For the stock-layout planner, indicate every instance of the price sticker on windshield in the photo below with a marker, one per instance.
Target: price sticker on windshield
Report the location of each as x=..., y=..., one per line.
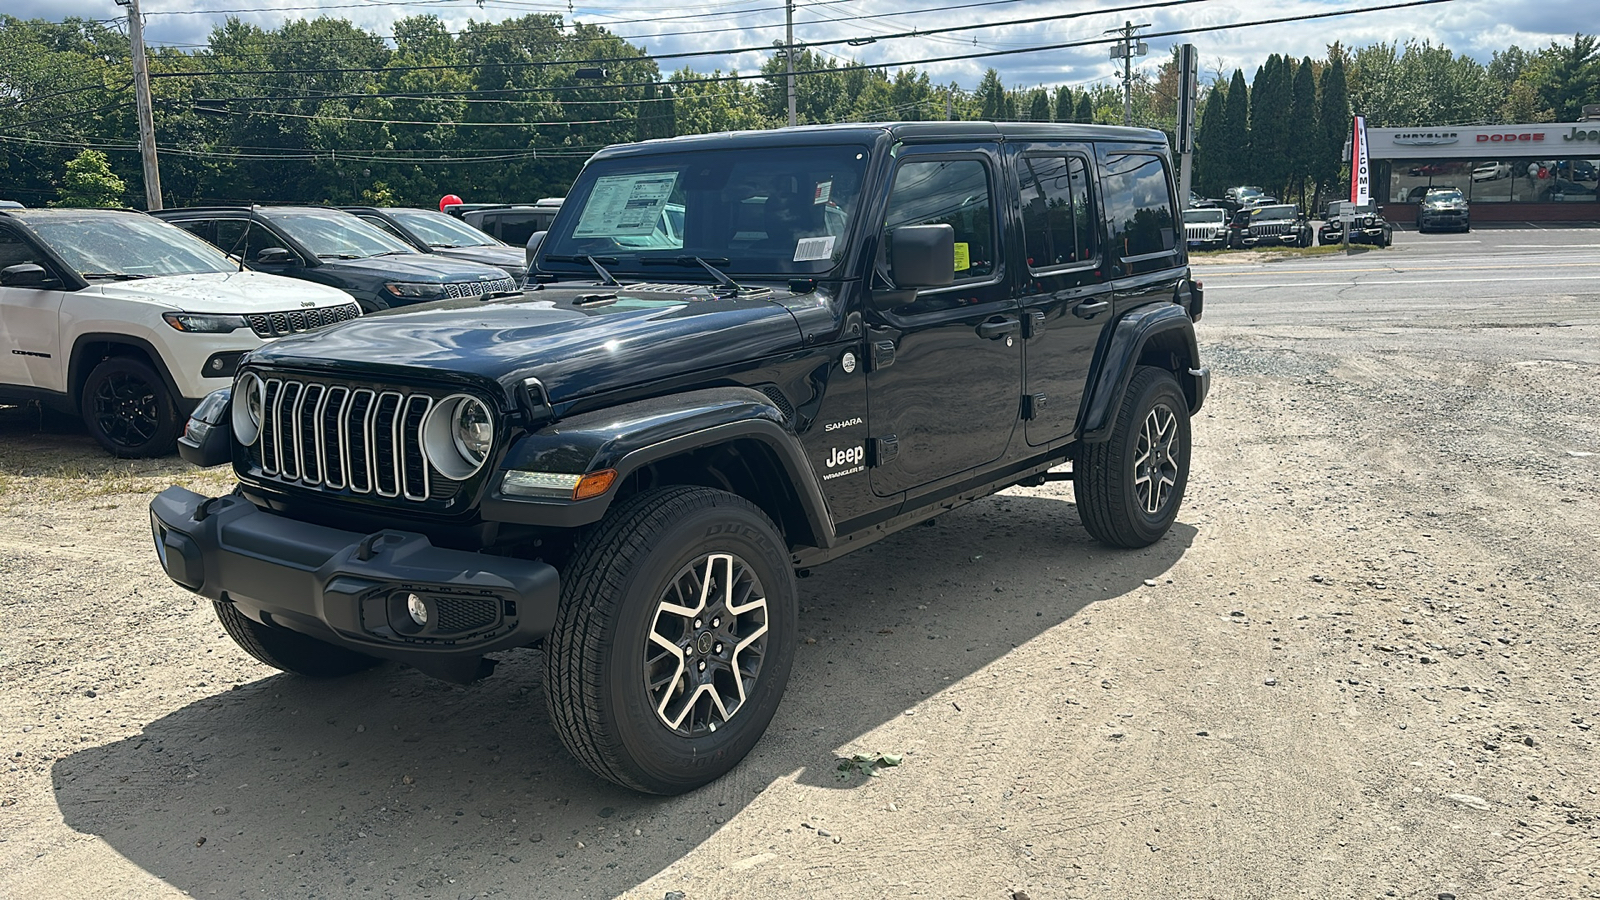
x=963, y=257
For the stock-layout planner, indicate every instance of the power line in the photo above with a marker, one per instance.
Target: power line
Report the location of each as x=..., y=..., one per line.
x=727, y=51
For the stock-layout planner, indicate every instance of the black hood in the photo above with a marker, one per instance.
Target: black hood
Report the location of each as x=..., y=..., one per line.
x=512, y=259
x=424, y=268
x=574, y=338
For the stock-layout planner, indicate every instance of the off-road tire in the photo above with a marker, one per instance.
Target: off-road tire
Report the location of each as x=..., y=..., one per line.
x=288, y=650
x=1106, y=474
x=128, y=409
x=614, y=601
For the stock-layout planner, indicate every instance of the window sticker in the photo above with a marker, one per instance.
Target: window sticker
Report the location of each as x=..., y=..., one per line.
x=623, y=205
x=813, y=248
x=963, y=257
x=824, y=192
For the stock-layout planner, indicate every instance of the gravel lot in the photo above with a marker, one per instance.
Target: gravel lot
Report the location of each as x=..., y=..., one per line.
x=1363, y=664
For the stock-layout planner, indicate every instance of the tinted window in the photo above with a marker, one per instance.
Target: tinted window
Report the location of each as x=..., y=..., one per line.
x=1139, y=204
x=13, y=252
x=243, y=239
x=1057, y=215
x=952, y=192
x=1273, y=212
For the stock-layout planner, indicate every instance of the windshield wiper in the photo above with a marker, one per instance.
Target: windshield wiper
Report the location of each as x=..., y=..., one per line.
x=115, y=276
x=710, y=265
x=339, y=256
x=606, y=278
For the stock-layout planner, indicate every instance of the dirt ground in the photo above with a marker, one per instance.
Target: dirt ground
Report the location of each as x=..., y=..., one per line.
x=1363, y=664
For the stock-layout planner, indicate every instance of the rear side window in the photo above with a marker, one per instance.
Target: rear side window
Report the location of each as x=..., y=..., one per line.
x=952, y=192
x=1057, y=213
x=1138, y=201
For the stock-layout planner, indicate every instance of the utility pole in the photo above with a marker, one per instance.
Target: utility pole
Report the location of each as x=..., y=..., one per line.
x=147, y=123
x=1125, y=50
x=1188, y=103
x=788, y=55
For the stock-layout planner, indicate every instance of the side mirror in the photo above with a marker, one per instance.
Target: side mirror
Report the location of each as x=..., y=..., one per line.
x=535, y=241
x=276, y=256
x=24, y=275
x=922, y=256
x=207, y=438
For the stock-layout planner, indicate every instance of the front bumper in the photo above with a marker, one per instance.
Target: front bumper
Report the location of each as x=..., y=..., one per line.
x=350, y=589
x=1291, y=239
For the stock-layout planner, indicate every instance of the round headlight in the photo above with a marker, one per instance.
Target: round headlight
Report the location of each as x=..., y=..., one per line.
x=458, y=435
x=249, y=395
x=473, y=431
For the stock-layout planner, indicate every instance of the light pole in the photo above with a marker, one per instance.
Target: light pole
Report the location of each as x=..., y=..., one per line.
x=141, y=93
x=1125, y=50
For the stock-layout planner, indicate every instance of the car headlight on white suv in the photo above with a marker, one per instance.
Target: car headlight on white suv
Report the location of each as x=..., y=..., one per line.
x=205, y=323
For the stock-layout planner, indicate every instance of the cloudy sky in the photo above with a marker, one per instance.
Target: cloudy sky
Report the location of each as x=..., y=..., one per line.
x=1475, y=28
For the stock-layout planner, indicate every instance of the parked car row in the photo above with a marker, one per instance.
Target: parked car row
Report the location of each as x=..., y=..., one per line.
x=129, y=319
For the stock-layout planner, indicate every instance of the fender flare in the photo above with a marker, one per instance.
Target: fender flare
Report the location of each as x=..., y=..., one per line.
x=78, y=367
x=1129, y=337
x=633, y=435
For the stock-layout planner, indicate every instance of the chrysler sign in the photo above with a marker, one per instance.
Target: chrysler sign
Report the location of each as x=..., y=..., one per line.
x=1425, y=138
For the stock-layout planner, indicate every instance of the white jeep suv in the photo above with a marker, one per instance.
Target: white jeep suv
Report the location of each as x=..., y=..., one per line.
x=130, y=322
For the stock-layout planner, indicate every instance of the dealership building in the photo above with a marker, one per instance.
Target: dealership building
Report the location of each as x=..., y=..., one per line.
x=1510, y=173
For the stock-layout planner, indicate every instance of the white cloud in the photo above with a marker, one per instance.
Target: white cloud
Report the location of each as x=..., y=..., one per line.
x=1475, y=28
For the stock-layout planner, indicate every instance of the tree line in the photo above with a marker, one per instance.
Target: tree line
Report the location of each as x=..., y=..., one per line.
x=320, y=110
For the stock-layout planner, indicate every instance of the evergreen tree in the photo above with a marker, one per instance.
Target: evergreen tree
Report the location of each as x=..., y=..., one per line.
x=1211, y=150
x=1333, y=125
x=1039, y=106
x=1085, y=113
x=1269, y=123
x=991, y=97
x=1236, y=131
x=1302, y=146
x=1065, y=112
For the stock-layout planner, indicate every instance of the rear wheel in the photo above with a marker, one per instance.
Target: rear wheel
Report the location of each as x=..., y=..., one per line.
x=288, y=650
x=1129, y=488
x=128, y=409
x=674, y=639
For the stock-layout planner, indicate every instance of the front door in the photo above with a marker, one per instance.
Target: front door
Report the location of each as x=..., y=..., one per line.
x=945, y=369
x=30, y=322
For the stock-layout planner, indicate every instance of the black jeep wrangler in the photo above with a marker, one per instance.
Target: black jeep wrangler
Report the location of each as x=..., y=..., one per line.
x=739, y=356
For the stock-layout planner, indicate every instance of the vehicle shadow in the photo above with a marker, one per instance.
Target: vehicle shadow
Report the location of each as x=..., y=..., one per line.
x=390, y=784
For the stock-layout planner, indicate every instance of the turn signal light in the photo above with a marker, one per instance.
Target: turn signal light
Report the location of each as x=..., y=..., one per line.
x=594, y=484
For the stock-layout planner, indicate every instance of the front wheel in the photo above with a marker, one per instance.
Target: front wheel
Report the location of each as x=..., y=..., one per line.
x=129, y=410
x=1129, y=487
x=674, y=639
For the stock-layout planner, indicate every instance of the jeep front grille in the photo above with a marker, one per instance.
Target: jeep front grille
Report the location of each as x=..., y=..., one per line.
x=479, y=288
x=1268, y=230
x=278, y=324
x=342, y=438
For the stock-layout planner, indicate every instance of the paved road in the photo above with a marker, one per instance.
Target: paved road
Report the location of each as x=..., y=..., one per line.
x=1484, y=278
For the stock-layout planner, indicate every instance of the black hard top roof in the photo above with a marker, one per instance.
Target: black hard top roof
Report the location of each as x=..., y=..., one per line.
x=868, y=133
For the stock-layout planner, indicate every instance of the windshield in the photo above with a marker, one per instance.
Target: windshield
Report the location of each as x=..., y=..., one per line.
x=439, y=230
x=130, y=245
x=1272, y=212
x=1443, y=196
x=1202, y=216
x=330, y=234
x=775, y=211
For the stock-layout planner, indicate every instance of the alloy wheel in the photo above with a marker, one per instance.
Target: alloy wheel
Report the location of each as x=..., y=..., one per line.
x=126, y=410
x=1155, y=463
x=706, y=644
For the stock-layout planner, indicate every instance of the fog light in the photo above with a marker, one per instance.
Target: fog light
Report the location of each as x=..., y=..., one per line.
x=417, y=609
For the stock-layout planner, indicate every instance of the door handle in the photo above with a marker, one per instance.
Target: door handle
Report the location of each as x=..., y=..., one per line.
x=996, y=329
x=1090, y=310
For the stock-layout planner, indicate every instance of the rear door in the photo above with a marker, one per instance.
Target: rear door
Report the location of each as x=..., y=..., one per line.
x=1066, y=296
x=945, y=369
x=30, y=321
